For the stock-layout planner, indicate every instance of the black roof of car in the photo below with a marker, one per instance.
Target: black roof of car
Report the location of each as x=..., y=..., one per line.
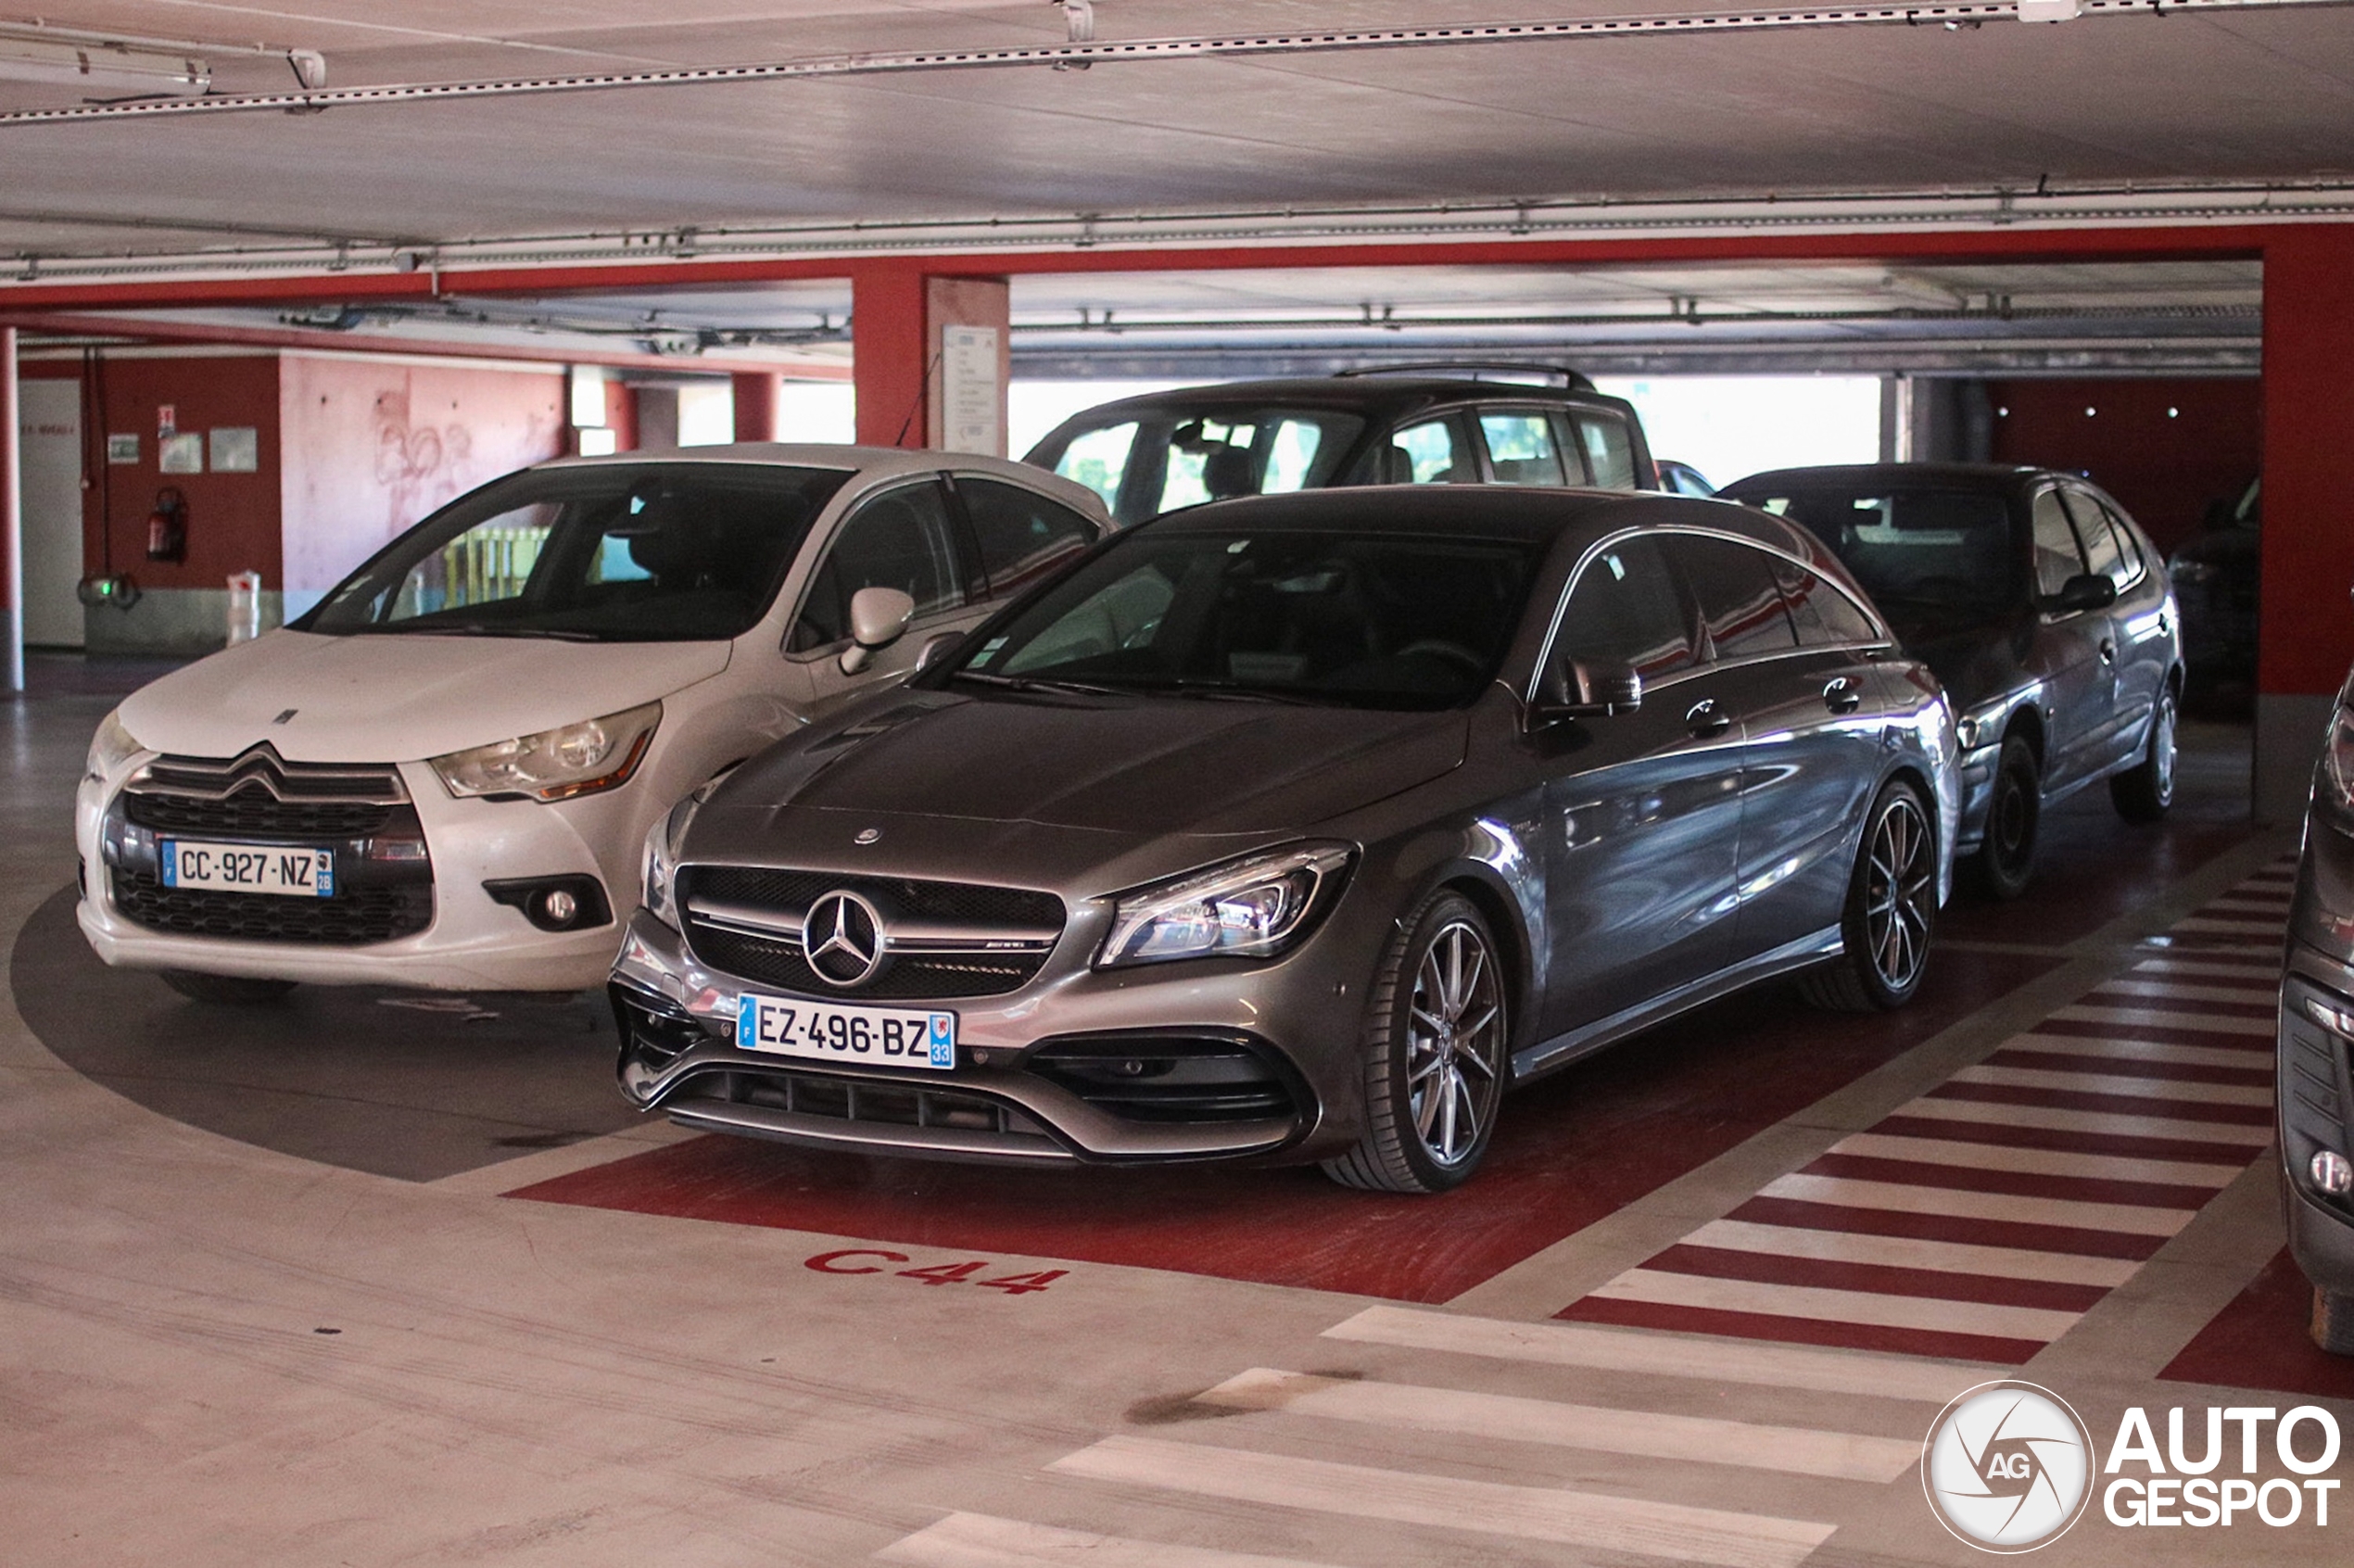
x=2003, y=477
x=1375, y=394
x=1537, y=513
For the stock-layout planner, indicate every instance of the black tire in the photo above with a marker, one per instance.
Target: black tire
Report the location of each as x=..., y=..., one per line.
x=2005, y=859
x=234, y=991
x=2144, y=790
x=2333, y=1324
x=1425, y=1077
x=1891, y=909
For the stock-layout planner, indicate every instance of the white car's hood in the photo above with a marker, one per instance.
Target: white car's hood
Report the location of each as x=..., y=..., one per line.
x=401, y=698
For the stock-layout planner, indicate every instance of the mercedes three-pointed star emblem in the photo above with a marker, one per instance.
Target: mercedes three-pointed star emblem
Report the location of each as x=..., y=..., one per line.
x=841, y=939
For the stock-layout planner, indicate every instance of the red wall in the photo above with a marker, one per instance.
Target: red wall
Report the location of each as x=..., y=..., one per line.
x=232, y=518
x=2165, y=468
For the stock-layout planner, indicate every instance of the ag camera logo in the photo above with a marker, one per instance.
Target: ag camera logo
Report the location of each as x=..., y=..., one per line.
x=2007, y=1467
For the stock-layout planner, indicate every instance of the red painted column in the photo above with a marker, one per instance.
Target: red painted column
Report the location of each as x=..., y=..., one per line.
x=890, y=363
x=11, y=522
x=2308, y=628
x=756, y=401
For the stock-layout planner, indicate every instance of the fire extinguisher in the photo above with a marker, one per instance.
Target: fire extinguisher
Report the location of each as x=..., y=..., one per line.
x=168, y=526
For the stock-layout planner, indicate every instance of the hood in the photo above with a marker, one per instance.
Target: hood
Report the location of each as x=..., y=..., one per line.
x=1140, y=766
x=401, y=697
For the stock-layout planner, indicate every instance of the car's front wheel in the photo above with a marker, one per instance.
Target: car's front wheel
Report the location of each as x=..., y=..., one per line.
x=2007, y=859
x=1436, y=1054
x=234, y=991
x=2144, y=790
x=1891, y=906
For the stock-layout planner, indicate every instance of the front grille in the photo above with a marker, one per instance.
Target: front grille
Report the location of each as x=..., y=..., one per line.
x=943, y=900
x=936, y=972
x=259, y=792
x=908, y=979
x=355, y=917
x=252, y=809
x=1172, y=1079
x=889, y=1105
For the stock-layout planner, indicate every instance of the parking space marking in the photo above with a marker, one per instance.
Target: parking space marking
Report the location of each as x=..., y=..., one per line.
x=980, y=1540
x=1597, y=1521
x=2152, y=1018
x=1646, y=1434
x=2007, y=1201
x=2239, y=1055
x=2066, y=1119
x=1655, y=1355
x=2047, y=1162
x=2134, y=1219
x=1912, y=1252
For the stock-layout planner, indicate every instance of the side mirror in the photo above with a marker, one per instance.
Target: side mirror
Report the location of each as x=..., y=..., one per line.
x=936, y=648
x=1575, y=689
x=2087, y=591
x=878, y=616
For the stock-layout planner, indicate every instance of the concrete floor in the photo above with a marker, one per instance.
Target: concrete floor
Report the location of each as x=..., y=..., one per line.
x=265, y=1299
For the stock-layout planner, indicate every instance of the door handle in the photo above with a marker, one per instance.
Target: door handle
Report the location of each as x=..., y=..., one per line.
x=1705, y=718
x=1841, y=696
x=2109, y=650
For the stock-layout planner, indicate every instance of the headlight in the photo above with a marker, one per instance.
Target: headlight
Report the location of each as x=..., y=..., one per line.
x=1248, y=908
x=111, y=748
x=2338, y=757
x=659, y=868
x=555, y=765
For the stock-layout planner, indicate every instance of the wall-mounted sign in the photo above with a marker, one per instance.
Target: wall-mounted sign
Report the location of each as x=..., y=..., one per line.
x=970, y=390
x=237, y=448
x=167, y=420
x=122, y=449
x=181, y=454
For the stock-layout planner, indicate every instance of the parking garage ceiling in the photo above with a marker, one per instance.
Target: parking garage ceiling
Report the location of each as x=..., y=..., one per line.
x=2204, y=109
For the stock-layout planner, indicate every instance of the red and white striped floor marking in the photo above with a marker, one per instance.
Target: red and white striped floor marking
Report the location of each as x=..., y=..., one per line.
x=1983, y=1219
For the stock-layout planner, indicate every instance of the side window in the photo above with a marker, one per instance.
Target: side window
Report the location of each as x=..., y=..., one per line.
x=2056, y=558
x=1626, y=610
x=1520, y=447
x=1825, y=617
x=1428, y=453
x=1610, y=450
x=1739, y=602
x=2101, y=553
x=898, y=539
x=1098, y=458
x=1021, y=534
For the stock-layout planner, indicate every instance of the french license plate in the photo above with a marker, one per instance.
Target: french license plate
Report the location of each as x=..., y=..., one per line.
x=262, y=868
x=869, y=1036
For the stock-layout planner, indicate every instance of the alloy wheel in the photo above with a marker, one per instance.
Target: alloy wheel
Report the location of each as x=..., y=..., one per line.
x=2162, y=752
x=1454, y=1042
x=1899, y=893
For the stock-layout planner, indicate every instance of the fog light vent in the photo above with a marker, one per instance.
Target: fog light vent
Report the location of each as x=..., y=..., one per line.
x=2332, y=1173
x=555, y=904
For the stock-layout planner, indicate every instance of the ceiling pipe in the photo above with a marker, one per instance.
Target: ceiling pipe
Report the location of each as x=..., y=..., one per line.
x=1078, y=53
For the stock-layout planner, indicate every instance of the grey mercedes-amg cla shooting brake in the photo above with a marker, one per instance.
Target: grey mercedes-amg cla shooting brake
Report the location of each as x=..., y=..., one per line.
x=1299, y=829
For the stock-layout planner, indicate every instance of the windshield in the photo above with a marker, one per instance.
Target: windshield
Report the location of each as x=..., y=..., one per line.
x=1932, y=559
x=1147, y=462
x=1323, y=617
x=658, y=553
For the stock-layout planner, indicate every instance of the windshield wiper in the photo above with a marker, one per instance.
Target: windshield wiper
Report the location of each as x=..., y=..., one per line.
x=561, y=634
x=1033, y=683
x=1220, y=691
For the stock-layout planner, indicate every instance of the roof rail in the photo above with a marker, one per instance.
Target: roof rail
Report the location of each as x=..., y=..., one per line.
x=1480, y=370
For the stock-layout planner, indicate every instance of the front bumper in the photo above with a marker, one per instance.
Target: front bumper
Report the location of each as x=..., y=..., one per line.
x=2314, y=1094
x=472, y=942
x=1038, y=1078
